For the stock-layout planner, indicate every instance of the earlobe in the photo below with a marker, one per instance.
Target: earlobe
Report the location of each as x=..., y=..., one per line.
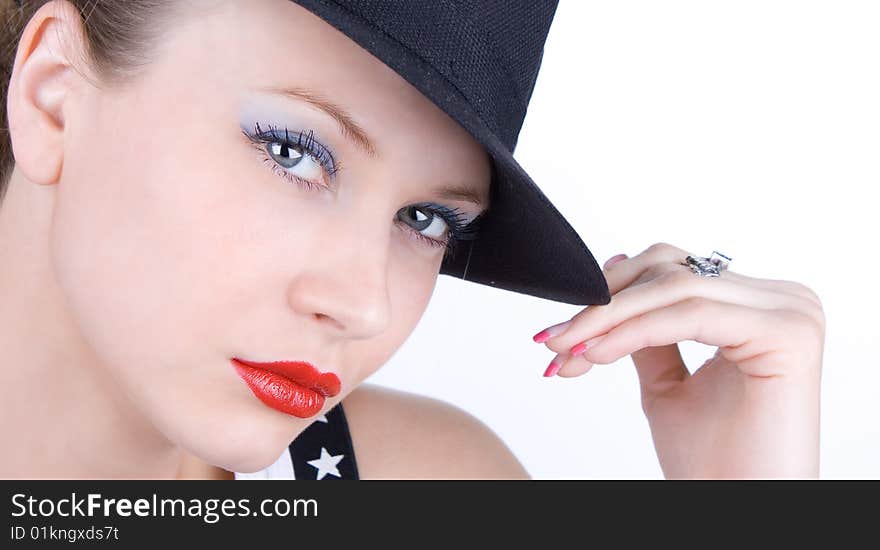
x=39, y=90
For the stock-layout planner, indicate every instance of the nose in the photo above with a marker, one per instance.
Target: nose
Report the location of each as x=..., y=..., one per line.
x=345, y=284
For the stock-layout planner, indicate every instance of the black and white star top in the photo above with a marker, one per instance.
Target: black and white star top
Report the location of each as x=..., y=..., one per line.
x=322, y=451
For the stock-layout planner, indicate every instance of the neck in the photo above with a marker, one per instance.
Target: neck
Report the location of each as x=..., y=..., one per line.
x=61, y=413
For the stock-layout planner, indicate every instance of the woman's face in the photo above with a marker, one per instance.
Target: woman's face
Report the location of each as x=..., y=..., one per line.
x=182, y=242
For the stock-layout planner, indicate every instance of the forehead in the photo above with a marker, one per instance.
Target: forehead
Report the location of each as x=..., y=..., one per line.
x=274, y=43
x=277, y=44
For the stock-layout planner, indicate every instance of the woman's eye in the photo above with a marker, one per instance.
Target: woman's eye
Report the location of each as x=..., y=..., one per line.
x=427, y=223
x=295, y=156
x=298, y=163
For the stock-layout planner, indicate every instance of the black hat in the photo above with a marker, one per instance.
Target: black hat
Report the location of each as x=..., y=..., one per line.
x=478, y=61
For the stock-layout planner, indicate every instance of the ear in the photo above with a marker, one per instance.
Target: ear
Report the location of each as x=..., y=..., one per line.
x=40, y=87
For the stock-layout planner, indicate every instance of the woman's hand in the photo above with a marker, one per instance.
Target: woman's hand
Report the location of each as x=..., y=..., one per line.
x=750, y=411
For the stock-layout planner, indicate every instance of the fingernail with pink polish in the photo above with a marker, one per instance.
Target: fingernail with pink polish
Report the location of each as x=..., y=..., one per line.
x=551, y=332
x=553, y=367
x=583, y=346
x=614, y=259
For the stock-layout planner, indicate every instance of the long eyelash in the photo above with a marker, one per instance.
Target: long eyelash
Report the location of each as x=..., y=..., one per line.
x=305, y=141
x=459, y=231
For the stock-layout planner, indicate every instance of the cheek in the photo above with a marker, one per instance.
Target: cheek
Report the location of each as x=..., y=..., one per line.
x=153, y=255
x=134, y=245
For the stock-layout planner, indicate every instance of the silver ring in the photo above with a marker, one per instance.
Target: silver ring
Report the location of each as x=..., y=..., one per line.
x=708, y=267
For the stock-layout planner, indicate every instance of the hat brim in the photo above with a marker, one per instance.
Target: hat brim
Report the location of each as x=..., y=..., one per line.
x=524, y=244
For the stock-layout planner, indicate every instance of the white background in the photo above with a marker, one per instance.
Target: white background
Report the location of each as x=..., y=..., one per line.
x=761, y=116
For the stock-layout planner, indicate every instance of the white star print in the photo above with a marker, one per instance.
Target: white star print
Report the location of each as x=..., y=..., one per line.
x=322, y=418
x=326, y=464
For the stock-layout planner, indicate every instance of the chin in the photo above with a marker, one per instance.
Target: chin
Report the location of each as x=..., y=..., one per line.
x=241, y=442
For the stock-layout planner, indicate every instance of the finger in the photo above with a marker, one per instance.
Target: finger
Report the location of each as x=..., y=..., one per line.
x=575, y=365
x=744, y=332
x=661, y=367
x=665, y=290
x=625, y=272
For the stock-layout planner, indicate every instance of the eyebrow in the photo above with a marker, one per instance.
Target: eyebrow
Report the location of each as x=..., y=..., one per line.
x=461, y=193
x=355, y=133
x=350, y=128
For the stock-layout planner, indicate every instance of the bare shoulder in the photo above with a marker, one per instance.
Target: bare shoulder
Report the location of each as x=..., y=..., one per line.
x=403, y=435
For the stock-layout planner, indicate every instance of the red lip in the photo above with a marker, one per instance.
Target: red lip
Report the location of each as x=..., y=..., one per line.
x=301, y=372
x=292, y=387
